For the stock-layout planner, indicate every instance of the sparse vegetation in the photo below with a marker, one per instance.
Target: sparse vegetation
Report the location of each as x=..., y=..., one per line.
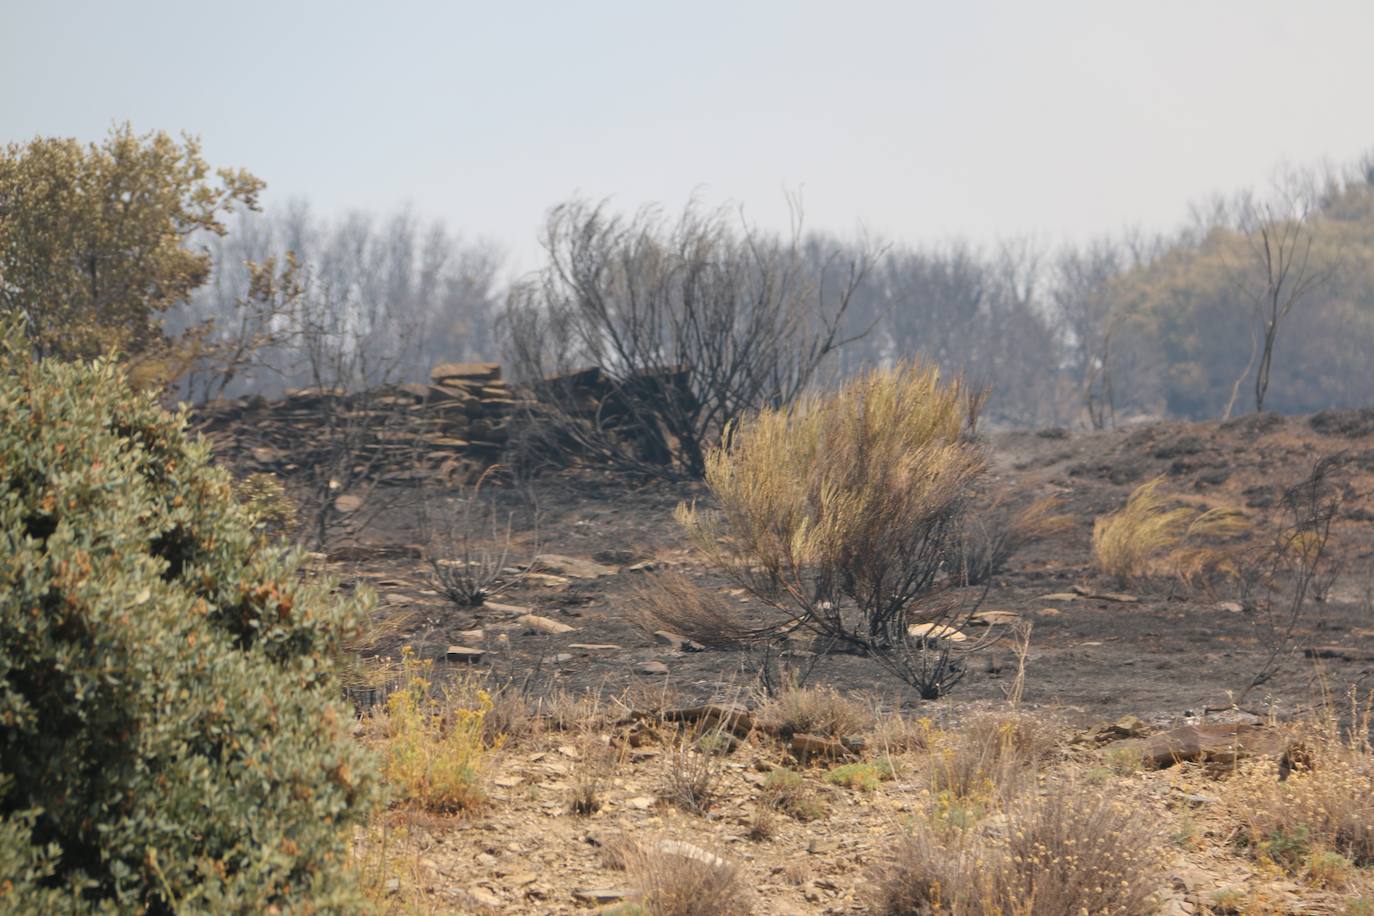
x=1152, y=535
x=1324, y=806
x=671, y=601
x=435, y=753
x=842, y=513
x=678, y=879
x=813, y=711
x=996, y=531
x=693, y=767
x=1069, y=851
x=788, y=791
x=862, y=776
x=992, y=756
x=468, y=566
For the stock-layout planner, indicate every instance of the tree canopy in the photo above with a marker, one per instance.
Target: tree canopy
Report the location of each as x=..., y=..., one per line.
x=96, y=241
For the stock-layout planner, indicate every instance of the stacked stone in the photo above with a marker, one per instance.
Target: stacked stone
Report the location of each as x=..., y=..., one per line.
x=454, y=428
x=471, y=407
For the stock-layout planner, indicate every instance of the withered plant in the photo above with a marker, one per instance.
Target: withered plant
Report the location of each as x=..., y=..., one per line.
x=842, y=513
x=1069, y=850
x=1153, y=534
x=469, y=546
x=688, y=322
x=1283, y=577
x=679, y=879
x=998, y=529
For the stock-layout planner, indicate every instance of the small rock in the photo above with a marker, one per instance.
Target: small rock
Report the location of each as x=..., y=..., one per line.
x=594, y=646
x=1230, y=607
x=463, y=654
x=348, y=502
x=680, y=643
x=572, y=566
x=484, y=897
x=601, y=895
x=499, y=608
x=642, y=802
x=562, y=658
x=472, y=635
x=543, y=624
x=688, y=851
x=1198, y=799
x=651, y=668
x=934, y=631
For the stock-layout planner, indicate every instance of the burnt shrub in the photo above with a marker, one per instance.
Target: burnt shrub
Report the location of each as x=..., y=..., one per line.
x=170, y=731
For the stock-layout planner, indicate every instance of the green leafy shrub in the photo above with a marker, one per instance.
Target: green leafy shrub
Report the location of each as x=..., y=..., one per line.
x=172, y=738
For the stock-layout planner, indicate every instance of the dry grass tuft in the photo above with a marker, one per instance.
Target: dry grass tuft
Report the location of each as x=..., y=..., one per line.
x=1148, y=536
x=693, y=768
x=1324, y=807
x=813, y=711
x=596, y=762
x=990, y=758
x=996, y=531
x=1067, y=851
x=1129, y=540
x=574, y=711
x=671, y=601
x=789, y=792
x=678, y=879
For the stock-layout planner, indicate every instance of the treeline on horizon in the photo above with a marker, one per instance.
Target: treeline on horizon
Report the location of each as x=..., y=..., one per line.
x=1123, y=326
x=1262, y=299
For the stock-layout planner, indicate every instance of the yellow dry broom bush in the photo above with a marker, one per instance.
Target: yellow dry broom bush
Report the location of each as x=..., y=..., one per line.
x=843, y=511
x=435, y=755
x=1148, y=535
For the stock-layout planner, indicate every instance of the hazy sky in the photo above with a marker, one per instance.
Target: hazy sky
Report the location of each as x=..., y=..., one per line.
x=915, y=120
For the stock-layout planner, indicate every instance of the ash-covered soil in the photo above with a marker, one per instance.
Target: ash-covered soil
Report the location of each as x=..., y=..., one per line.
x=1164, y=654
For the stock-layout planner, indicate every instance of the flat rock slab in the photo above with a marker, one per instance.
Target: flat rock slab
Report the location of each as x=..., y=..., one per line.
x=543, y=624
x=1216, y=743
x=731, y=717
x=651, y=668
x=573, y=567
x=602, y=895
x=994, y=618
x=814, y=747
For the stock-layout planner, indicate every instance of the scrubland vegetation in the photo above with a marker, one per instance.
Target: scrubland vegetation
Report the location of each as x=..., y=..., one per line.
x=175, y=731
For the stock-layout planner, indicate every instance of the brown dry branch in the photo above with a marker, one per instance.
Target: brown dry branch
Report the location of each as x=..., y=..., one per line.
x=996, y=531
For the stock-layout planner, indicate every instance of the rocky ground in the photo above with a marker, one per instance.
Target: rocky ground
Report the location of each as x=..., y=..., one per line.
x=1164, y=654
